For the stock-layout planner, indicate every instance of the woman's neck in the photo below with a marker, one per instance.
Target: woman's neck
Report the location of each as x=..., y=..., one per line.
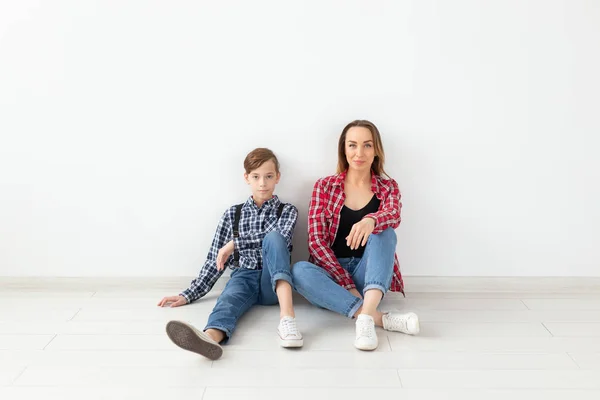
x=356, y=178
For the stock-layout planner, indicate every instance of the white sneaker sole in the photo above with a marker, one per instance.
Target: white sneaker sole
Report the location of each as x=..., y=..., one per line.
x=366, y=346
x=413, y=325
x=190, y=339
x=291, y=343
x=417, y=325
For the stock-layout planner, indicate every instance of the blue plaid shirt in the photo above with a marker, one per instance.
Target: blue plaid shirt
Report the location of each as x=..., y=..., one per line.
x=255, y=223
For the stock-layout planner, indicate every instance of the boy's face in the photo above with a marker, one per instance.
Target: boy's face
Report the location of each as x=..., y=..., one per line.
x=262, y=181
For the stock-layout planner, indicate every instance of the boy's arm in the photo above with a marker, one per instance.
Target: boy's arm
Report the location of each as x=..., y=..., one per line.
x=210, y=274
x=317, y=244
x=285, y=226
x=287, y=223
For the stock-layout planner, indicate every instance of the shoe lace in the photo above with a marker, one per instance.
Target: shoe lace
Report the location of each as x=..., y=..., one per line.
x=289, y=327
x=366, y=329
x=398, y=321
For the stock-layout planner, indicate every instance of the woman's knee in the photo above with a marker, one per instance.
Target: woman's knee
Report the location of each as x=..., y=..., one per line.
x=386, y=237
x=300, y=272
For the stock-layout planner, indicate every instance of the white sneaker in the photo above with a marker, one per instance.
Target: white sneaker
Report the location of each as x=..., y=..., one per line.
x=289, y=336
x=405, y=323
x=366, y=338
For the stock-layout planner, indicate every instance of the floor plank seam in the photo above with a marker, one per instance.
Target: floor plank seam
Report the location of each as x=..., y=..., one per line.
x=549, y=331
x=51, y=340
x=12, y=383
x=399, y=378
x=575, y=361
x=71, y=319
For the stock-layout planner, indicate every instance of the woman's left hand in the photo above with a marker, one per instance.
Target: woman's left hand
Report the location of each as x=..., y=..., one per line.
x=360, y=233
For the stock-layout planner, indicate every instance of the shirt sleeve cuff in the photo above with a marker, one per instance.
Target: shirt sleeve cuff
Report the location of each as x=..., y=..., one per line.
x=187, y=294
x=348, y=283
x=373, y=216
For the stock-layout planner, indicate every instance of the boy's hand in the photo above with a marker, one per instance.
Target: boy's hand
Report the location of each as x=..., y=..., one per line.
x=175, y=301
x=360, y=233
x=225, y=252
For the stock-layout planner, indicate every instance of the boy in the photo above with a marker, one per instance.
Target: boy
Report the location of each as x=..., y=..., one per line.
x=260, y=243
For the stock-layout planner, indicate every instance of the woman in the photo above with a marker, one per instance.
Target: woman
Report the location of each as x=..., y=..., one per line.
x=351, y=239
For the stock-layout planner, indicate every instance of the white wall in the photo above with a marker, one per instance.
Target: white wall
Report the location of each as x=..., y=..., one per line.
x=123, y=126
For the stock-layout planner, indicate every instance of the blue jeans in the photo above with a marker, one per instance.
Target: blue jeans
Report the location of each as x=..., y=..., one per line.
x=374, y=270
x=247, y=287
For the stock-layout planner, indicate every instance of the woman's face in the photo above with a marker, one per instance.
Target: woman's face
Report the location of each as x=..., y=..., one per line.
x=359, y=148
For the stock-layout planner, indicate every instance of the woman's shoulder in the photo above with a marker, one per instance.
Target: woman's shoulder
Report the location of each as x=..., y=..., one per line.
x=386, y=182
x=328, y=181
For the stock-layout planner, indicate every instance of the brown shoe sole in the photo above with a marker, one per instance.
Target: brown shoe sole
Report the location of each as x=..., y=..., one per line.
x=188, y=338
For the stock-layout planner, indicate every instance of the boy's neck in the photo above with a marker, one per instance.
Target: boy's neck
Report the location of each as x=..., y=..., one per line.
x=356, y=178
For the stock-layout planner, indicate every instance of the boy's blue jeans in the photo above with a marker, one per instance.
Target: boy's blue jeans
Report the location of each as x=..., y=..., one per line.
x=374, y=270
x=247, y=287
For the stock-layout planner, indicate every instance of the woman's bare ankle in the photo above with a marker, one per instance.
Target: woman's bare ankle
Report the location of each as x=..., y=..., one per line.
x=378, y=319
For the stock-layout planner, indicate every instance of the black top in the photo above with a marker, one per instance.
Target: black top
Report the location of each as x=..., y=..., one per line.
x=349, y=217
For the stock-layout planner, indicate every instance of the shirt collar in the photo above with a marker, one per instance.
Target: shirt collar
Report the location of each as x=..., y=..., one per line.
x=273, y=202
x=341, y=177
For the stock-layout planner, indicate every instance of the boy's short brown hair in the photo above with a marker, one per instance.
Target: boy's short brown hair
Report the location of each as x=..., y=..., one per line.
x=258, y=157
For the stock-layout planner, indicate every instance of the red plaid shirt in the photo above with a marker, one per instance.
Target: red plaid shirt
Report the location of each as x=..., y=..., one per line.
x=324, y=219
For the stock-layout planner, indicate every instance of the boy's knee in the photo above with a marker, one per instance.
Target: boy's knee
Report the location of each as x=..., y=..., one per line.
x=273, y=238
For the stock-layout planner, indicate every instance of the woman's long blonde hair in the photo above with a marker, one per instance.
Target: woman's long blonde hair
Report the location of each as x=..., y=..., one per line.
x=378, y=161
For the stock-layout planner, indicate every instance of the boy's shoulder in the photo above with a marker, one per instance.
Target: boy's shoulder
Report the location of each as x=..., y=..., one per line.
x=232, y=209
x=289, y=206
x=283, y=206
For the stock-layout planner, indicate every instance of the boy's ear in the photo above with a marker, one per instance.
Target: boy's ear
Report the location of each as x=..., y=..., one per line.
x=246, y=178
x=278, y=177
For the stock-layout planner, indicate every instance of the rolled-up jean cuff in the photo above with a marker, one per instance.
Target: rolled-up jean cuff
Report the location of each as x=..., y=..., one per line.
x=281, y=276
x=226, y=331
x=354, y=307
x=372, y=286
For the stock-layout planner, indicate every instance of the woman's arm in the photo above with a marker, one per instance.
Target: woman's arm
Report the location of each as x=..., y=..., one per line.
x=389, y=214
